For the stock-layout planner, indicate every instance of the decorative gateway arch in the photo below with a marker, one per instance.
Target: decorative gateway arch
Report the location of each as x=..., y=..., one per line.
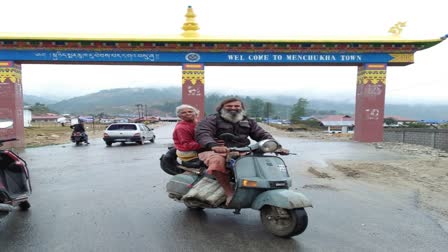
x=193, y=52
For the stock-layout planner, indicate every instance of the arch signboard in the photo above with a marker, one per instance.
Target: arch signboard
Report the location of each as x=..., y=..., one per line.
x=194, y=52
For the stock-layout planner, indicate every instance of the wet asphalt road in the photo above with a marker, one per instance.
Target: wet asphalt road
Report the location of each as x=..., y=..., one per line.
x=95, y=198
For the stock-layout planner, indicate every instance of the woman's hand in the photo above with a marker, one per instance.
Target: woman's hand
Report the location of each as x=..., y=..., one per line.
x=220, y=149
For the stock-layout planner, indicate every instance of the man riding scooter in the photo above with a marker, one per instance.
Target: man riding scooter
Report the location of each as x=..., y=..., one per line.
x=231, y=118
x=79, y=128
x=247, y=175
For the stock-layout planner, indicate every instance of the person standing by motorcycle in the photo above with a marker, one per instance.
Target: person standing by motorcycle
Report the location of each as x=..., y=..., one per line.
x=79, y=127
x=231, y=118
x=183, y=134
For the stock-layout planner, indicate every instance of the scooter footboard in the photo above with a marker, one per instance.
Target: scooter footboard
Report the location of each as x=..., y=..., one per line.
x=282, y=198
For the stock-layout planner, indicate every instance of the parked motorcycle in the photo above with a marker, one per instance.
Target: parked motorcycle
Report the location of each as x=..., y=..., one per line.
x=261, y=181
x=15, y=186
x=78, y=137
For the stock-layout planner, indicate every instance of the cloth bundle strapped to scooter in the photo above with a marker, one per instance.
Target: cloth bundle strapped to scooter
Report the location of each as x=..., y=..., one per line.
x=207, y=190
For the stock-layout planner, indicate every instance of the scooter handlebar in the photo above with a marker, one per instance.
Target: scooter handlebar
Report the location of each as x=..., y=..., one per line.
x=285, y=154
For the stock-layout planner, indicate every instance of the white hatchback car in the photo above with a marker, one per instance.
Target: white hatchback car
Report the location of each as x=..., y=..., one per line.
x=128, y=132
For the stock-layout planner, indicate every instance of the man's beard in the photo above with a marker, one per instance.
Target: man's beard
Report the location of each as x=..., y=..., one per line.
x=232, y=116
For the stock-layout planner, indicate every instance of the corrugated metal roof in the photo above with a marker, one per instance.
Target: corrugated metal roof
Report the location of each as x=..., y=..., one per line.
x=338, y=123
x=400, y=119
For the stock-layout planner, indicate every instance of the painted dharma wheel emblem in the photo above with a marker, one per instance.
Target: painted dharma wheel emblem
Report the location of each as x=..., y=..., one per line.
x=192, y=57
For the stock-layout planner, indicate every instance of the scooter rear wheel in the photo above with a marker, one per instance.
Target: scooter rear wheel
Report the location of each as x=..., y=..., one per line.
x=284, y=222
x=3, y=213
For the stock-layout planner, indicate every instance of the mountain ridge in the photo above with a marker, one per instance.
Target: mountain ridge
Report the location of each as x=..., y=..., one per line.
x=162, y=101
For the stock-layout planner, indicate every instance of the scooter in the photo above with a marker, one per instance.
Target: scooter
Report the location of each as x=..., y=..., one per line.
x=15, y=185
x=261, y=182
x=78, y=137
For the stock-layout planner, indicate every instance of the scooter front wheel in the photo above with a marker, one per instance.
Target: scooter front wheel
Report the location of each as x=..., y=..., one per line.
x=284, y=222
x=24, y=205
x=195, y=208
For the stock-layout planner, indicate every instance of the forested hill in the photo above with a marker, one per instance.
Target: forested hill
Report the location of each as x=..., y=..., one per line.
x=32, y=99
x=116, y=101
x=162, y=102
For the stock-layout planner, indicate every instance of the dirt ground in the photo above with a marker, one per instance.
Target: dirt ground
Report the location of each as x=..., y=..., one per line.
x=44, y=135
x=424, y=169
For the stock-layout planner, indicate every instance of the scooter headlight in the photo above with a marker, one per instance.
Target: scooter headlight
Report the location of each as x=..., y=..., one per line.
x=269, y=145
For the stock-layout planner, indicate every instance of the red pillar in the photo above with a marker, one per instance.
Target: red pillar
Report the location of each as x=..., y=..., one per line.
x=11, y=102
x=370, y=97
x=193, y=86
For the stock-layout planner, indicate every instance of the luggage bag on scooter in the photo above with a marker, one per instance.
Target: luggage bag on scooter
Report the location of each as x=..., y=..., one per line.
x=207, y=190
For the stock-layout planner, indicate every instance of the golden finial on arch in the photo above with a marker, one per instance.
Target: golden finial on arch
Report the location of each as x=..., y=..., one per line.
x=397, y=28
x=190, y=26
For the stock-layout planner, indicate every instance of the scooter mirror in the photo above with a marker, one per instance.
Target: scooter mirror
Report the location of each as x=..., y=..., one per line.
x=6, y=123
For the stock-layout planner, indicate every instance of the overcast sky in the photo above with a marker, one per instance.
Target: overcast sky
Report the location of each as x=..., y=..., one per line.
x=424, y=81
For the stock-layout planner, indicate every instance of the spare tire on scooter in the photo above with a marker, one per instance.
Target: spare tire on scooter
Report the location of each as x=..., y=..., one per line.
x=168, y=162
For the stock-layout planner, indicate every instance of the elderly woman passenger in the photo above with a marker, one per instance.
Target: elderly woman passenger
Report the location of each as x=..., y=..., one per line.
x=183, y=135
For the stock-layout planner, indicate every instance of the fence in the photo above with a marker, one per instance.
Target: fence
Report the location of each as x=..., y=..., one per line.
x=435, y=138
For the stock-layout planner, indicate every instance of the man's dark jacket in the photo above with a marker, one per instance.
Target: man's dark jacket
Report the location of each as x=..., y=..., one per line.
x=78, y=128
x=208, y=130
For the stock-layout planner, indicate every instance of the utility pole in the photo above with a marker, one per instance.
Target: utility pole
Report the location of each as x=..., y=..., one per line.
x=140, y=115
x=93, y=123
x=268, y=107
x=138, y=110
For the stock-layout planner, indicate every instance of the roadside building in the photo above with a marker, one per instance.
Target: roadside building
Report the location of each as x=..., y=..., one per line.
x=147, y=119
x=169, y=119
x=86, y=119
x=399, y=121
x=337, y=123
x=272, y=121
x=48, y=118
x=120, y=120
x=27, y=116
x=106, y=120
x=64, y=120
x=434, y=123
